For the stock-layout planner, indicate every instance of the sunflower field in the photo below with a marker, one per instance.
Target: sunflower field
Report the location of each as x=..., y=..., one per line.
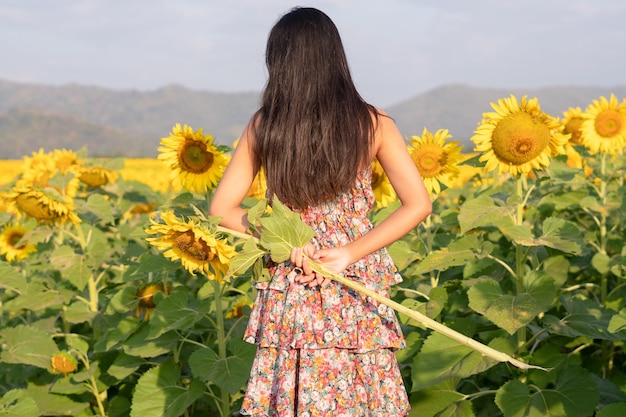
x=120, y=296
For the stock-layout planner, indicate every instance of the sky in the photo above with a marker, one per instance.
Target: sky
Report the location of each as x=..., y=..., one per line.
x=396, y=49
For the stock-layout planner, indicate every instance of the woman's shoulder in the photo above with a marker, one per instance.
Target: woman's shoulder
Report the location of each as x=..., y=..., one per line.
x=384, y=127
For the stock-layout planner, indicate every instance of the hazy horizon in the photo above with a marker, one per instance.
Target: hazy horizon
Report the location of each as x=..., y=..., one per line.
x=396, y=49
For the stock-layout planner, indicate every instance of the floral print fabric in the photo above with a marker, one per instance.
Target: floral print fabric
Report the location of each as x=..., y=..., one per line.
x=328, y=351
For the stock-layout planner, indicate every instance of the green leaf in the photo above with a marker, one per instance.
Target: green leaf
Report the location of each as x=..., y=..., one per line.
x=613, y=410
x=116, y=332
x=433, y=400
x=482, y=212
x=230, y=373
x=17, y=403
x=574, y=395
x=601, y=262
x=78, y=312
x=458, y=409
x=159, y=392
x=97, y=205
x=73, y=266
x=27, y=345
x=618, y=322
x=282, y=231
x=178, y=311
x=138, y=345
x=442, y=259
x=558, y=234
x=562, y=235
x=50, y=404
x=11, y=279
x=244, y=259
x=585, y=318
x=511, y=312
x=123, y=365
x=442, y=357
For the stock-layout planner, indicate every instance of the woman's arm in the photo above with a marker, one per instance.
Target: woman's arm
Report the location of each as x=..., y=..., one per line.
x=392, y=153
x=234, y=186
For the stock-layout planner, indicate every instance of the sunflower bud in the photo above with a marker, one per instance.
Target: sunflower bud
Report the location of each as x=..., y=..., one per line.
x=63, y=362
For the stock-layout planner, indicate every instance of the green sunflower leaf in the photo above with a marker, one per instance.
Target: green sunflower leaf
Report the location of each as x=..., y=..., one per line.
x=283, y=230
x=230, y=373
x=160, y=392
x=27, y=345
x=511, y=312
x=178, y=311
x=17, y=403
x=245, y=258
x=483, y=212
x=575, y=394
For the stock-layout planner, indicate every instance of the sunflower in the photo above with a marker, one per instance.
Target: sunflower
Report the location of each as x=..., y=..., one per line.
x=435, y=159
x=145, y=296
x=12, y=243
x=258, y=189
x=46, y=205
x=195, y=161
x=384, y=194
x=604, y=127
x=96, y=176
x=572, y=122
x=237, y=309
x=63, y=362
x=65, y=160
x=193, y=244
x=518, y=136
x=39, y=161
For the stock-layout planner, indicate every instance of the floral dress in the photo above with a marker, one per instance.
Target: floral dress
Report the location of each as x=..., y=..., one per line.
x=328, y=351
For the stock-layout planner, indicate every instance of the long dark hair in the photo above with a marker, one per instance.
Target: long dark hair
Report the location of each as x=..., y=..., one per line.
x=313, y=131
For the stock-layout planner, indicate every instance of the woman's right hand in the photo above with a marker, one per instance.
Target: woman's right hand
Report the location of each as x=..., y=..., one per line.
x=300, y=258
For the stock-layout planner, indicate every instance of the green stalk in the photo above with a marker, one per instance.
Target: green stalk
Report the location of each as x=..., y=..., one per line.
x=221, y=344
x=412, y=314
x=519, y=261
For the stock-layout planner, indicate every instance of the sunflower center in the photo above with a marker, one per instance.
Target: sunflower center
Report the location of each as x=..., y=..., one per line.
x=518, y=138
x=377, y=179
x=193, y=248
x=573, y=128
x=14, y=238
x=608, y=123
x=194, y=157
x=431, y=160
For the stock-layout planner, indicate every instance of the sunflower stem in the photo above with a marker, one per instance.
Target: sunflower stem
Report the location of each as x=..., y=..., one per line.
x=221, y=344
x=519, y=260
x=412, y=314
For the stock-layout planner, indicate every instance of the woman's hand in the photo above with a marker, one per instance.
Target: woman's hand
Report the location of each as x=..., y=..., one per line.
x=334, y=259
x=300, y=258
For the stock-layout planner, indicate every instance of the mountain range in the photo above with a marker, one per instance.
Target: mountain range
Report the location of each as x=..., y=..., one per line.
x=131, y=123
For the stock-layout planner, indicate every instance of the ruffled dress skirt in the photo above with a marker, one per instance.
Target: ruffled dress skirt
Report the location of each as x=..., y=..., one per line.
x=327, y=351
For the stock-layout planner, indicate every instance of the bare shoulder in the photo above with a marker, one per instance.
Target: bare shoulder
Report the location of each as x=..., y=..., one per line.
x=385, y=129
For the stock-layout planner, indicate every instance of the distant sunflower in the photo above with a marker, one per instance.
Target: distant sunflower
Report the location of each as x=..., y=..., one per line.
x=96, y=176
x=65, y=160
x=258, y=189
x=237, y=309
x=39, y=161
x=45, y=194
x=604, y=127
x=518, y=137
x=384, y=194
x=12, y=243
x=46, y=205
x=195, y=161
x=435, y=159
x=193, y=244
x=572, y=122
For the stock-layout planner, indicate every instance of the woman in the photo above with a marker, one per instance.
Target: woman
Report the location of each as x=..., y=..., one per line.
x=323, y=349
